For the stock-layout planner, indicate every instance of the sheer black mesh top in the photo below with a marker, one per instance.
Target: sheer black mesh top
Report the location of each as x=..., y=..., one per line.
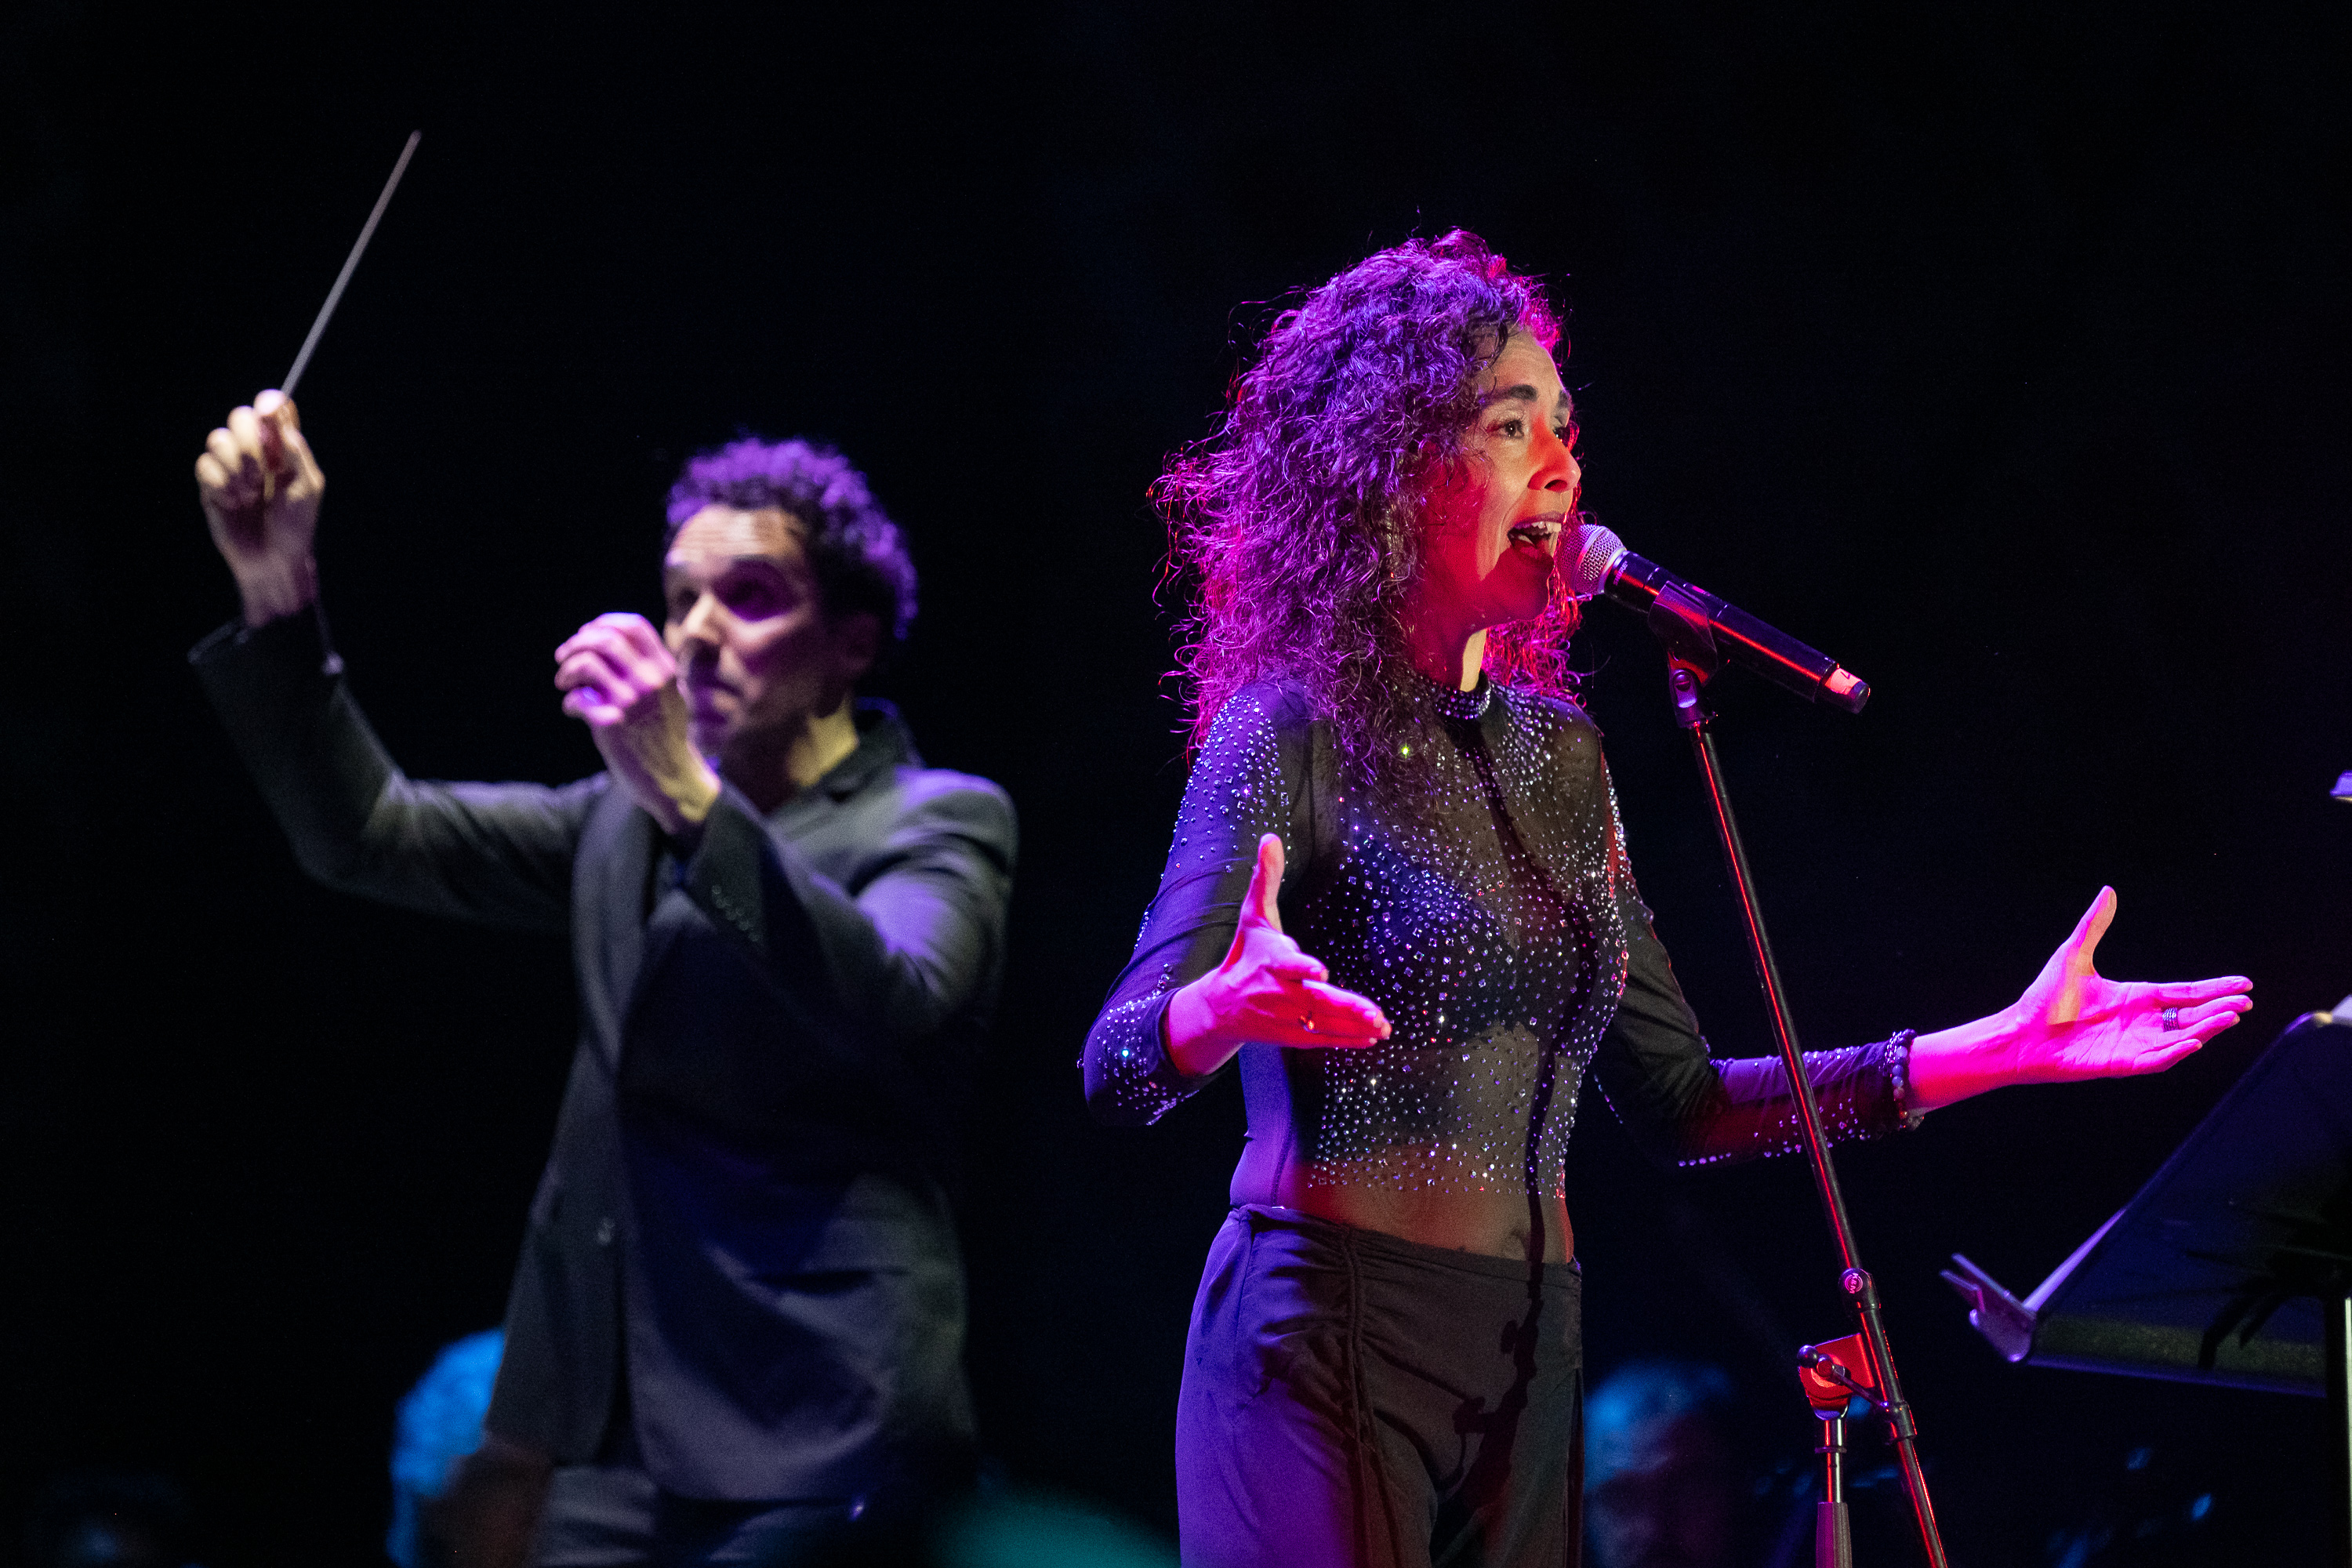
x=1489, y=910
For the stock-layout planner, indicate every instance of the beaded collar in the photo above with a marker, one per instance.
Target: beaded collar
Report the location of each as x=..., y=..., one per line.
x=1453, y=702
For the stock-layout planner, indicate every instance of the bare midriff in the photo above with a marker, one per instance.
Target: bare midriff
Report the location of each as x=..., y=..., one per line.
x=1495, y=1222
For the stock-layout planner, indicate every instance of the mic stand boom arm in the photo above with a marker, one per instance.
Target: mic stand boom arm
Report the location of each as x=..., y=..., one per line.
x=1680, y=622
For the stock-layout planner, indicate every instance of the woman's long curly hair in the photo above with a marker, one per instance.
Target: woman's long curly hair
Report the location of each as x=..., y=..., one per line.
x=1295, y=523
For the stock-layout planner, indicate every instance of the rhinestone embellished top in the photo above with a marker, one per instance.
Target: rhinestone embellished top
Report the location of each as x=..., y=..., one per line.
x=1491, y=913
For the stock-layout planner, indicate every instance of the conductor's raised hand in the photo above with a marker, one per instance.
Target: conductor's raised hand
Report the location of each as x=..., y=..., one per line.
x=1268, y=989
x=618, y=679
x=2074, y=1023
x=260, y=488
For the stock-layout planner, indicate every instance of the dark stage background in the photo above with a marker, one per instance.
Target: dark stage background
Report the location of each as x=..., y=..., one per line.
x=1999, y=353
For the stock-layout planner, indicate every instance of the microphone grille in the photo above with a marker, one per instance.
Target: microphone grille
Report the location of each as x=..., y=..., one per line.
x=1597, y=548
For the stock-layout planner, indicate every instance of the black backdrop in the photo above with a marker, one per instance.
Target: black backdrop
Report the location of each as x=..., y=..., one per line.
x=1998, y=352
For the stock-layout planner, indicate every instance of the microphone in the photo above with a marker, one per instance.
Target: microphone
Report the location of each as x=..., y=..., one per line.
x=1604, y=567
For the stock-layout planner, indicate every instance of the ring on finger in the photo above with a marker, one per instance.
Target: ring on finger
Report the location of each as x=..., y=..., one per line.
x=2171, y=1017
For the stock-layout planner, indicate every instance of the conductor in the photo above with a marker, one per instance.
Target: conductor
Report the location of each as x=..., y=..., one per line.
x=737, y=1323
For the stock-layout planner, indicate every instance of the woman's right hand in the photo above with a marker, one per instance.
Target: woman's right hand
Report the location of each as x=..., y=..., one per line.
x=1266, y=990
x=260, y=489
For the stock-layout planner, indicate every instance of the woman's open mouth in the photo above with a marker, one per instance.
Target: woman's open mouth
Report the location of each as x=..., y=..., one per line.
x=1537, y=532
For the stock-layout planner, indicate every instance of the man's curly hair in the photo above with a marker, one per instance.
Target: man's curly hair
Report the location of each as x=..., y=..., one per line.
x=1294, y=523
x=857, y=552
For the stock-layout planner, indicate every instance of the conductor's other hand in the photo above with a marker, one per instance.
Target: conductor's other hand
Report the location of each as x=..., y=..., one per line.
x=2074, y=1023
x=1268, y=989
x=260, y=489
x=618, y=679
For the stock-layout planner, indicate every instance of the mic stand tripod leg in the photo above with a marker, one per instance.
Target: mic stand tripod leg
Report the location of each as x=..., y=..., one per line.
x=1833, y=1531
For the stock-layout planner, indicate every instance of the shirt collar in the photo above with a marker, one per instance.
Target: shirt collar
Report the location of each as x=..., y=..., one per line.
x=884, y=744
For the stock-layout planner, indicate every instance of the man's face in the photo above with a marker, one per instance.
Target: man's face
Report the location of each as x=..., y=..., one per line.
x=757, y=654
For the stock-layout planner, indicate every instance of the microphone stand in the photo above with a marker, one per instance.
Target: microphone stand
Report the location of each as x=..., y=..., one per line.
x=1680, y=622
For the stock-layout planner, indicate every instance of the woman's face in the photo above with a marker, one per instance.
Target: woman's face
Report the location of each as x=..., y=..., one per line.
x=1492, y=523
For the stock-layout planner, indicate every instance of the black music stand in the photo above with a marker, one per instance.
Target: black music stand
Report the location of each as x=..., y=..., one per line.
x=2232, y=1266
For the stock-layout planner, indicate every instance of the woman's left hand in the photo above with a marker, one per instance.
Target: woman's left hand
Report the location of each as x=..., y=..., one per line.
x=2074, y=1023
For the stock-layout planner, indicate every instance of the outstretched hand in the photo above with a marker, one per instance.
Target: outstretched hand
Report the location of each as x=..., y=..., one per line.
x=618, y=679
x=1268, y=989
x=2074, y=1023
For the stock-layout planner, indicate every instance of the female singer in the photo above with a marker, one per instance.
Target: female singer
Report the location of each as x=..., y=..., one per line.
x=1399, y=894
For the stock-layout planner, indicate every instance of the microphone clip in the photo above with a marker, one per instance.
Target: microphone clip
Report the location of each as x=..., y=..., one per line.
x=1684, y=626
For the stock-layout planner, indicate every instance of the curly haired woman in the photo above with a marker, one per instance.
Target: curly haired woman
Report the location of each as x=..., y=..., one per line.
x=1399, y=894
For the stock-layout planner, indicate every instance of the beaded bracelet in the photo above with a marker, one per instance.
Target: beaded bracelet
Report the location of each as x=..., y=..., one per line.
x=1897, y=1049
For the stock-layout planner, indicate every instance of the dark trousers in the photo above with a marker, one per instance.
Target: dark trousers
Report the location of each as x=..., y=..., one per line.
x=612, y=1516
x=1354, y=1400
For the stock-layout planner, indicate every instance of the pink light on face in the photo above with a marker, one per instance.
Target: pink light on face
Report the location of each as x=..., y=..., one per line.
x=1493, y=521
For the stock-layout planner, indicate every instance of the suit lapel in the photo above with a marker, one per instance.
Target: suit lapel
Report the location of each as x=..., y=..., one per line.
x=671, y=913
x=618, y=855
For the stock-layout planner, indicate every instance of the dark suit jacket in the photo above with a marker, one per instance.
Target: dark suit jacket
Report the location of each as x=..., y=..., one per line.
x=743, y=1198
